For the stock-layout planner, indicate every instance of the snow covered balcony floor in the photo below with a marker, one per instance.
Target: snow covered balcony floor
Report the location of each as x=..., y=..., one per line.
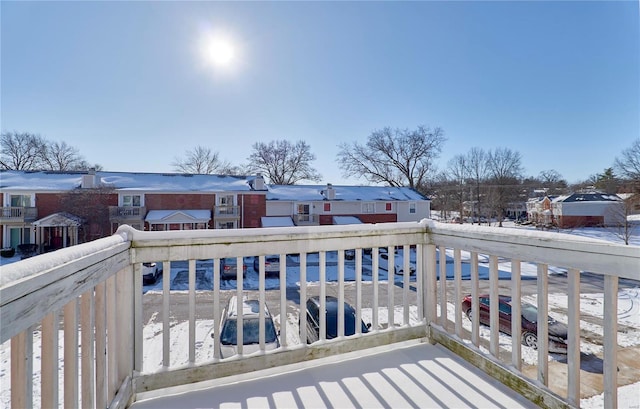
x=80, y=328
x=402, y=375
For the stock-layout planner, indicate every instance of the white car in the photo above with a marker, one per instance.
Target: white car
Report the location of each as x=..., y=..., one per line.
x=398, y=263
x=250, y=328
x=150, y=273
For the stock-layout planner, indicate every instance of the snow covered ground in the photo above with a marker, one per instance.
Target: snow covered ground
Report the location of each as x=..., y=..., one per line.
x=590, y=304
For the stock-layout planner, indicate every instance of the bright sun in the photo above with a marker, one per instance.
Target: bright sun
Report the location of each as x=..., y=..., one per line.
x=219, y=52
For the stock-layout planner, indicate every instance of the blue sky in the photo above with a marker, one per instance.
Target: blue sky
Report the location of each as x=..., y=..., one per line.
x=126, y=82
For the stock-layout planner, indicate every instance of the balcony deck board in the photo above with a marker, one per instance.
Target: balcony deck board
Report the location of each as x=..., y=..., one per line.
x=409, y=374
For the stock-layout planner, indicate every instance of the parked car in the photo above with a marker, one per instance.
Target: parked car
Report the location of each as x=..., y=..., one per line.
x=331, y=304
x=229, y=268
x=398, y=263
x=557, y=330
x=203, y=280
x=271, y=264
x=150, y=273
x=250, y=328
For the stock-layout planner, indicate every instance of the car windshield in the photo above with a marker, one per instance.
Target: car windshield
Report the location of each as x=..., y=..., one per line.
x=530, y=313
x=250, y=331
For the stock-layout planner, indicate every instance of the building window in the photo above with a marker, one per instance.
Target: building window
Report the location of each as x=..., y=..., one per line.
x=368, y=208
x=131, y=200
x=327, y=207
x=412, y=208
x=304, y=212
x=227, y=225
x=20, y=201
x=388, y=207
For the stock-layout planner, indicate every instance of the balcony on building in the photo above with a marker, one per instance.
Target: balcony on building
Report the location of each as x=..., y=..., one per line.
x=12, y=214
x=127, y=214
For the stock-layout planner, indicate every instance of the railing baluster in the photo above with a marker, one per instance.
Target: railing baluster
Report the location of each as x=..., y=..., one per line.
x=475, y=305
x=340, y=293
x=406, y=255
x=240, y=317
x=124, y=311
x=375, y=275
x=101, y=345
x=217, y=314
x=87, y=321
x=261, y=314
x=166, y=323
x=573, y=337
x=431, y=302
x=457, y=272
x=138, y=323
x=543, y=324
x=302, y=316
x=443, y=287
x=323, y=293
x=420, y=272
x=516, y=315
x=71, y=354
x=493, y=307
x=283, y=300
x=49, y=351
x=610, y=370
x=112, y=337
x=22, y=369
x=358, y=289
x=192, y=311
x=391, y=282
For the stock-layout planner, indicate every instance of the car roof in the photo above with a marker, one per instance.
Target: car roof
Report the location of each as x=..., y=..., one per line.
x=249, y=307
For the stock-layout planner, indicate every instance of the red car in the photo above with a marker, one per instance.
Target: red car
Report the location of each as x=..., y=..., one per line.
x=557, y=330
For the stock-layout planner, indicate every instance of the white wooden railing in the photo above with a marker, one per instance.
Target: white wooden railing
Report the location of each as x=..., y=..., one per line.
x=96, y=291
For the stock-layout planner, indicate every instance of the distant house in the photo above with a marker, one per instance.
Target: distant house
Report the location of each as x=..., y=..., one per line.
x=539, y=210
x=587, y=209
x=155, y=201
x=314, y=205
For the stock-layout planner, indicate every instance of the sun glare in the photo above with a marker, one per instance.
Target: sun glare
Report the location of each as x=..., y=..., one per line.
x=219, y=51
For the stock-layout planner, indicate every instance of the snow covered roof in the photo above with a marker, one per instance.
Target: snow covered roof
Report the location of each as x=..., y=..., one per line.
x=588, y=197
x=178, y=216
x=349, y=193
x=346, y=220
x=123, y=181
x=276, y=221
x=58, y=220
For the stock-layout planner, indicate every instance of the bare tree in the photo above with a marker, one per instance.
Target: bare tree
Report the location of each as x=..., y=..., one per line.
x=92, y=206
x=60, y=156
x=505, y=172
x=617, y=217
x=399, y=157
x=283, y=162
x=457, y=173
x=478, y=171
x=26, y=151
x=203, y=161
x=21, y=151
x=628, y=164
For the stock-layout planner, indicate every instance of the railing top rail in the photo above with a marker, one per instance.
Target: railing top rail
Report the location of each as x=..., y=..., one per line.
x=31, y=288
x=558, y=249
x=147, y=246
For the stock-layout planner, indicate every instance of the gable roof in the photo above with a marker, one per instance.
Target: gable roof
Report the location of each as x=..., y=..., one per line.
x=299, y=193
x=59, y=220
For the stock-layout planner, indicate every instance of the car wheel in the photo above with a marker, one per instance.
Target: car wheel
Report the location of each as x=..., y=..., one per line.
x=468, y=312
x=530, y=339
